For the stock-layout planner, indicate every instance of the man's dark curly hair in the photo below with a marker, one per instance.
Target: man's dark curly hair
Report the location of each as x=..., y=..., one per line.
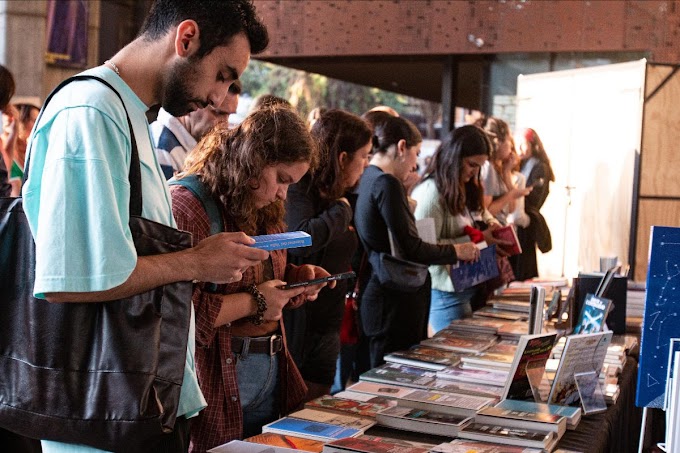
x=218, y=21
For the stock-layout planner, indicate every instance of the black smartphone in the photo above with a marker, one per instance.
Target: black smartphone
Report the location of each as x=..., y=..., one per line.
x=316, y=281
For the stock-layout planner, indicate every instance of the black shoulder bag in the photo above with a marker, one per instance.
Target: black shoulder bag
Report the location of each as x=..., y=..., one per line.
x=105, y=374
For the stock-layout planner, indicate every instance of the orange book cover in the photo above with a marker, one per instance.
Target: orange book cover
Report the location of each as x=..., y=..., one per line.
x=279, y=440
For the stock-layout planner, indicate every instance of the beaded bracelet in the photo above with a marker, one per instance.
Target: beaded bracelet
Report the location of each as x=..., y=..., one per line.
x=258, y=318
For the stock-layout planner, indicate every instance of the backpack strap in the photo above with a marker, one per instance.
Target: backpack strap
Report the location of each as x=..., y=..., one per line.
x=196, y=187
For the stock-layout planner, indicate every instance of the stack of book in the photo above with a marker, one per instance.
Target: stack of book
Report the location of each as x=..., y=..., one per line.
x=423, y=421
x=481, y=377
x=456, y=342
x=487, y=361
x=310, y=429
x=473, y=446
x=283, y=441
x=351, y=403
x=511, y=305
x=424, y=357
x=490, y=311
x=635, y=305
x=369, y=444
x=571, y=414
x=484, y=326
x=436, y=401
x=499, y=434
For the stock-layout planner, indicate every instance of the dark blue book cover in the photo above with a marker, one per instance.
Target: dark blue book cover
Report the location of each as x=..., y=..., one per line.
x=660, y=321
x=466, y=275
x=593, y=314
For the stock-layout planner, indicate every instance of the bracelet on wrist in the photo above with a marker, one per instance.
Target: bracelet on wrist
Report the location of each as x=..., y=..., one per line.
x=261, y=302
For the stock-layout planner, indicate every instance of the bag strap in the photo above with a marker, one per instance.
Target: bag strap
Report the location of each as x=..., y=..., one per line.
x=196, y=187
x=135, y=174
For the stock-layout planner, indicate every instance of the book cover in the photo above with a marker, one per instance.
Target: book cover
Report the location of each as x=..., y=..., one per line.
x=488, y=377
x=465, y=275
x=398, y=374
x=593, y=314
x=399, y=441
x=278, y=241
x=310, y=430
x=360, y=423
x=279, y=440
x=457, y=343
x=522, y=419
x=448, y=403
x=422, y=421
x=499, y=360
x=582, y=353
x=464, y=388
x=347, y=406
x=365, y=397
x=471, y=446
x=509, y=436
x=496, y=313
x=377, y=389
x=533, y=351
x=366, y=445
x=424, y=357
x=239, y=446
x=571, y=413
x=660, y=316
x=508, y=233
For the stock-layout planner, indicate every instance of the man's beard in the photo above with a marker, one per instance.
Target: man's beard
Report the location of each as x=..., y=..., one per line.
x=177, y=97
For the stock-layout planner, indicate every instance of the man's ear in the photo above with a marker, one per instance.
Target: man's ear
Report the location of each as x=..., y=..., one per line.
x=187, y=41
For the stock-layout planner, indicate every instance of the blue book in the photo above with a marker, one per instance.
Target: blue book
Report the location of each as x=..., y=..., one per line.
x=466, y=275
x=571, y=413
x=325, y=432
x=660, y=319
x=279, y=241
x=593, y=314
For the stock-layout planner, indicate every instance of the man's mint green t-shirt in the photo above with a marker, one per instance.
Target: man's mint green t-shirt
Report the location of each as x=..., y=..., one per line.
x=77, y=199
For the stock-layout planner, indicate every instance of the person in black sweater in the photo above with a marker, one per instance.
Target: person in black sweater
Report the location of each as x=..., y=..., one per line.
x=536, y=169
x=393, y=320
x=318, y=206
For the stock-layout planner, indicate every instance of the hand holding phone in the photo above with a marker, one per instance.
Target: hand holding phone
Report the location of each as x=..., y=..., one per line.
x=317, y=281
x=538, y=183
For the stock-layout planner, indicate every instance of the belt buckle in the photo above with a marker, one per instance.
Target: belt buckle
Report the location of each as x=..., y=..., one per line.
x=272, y=339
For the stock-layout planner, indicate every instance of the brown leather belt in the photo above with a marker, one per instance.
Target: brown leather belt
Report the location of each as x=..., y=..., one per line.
x=257, y=345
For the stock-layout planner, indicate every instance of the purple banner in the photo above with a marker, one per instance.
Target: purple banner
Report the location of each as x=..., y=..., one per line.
x=67, y=33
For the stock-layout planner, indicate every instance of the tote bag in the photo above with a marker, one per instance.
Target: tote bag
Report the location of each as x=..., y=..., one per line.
x=105, y=374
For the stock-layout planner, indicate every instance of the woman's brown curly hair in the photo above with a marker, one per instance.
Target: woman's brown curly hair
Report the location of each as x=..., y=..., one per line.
x=228, y=160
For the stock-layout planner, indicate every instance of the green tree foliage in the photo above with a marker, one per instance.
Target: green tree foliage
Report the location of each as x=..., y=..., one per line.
x=305, y=91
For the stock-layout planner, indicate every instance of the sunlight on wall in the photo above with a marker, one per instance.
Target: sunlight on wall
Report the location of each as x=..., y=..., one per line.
x=589, y=121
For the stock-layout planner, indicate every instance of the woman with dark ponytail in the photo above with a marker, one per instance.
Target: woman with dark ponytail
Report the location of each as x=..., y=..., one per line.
x=393, y=320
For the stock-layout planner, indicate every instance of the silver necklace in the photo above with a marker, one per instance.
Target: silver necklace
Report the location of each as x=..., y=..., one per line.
x=113, y=65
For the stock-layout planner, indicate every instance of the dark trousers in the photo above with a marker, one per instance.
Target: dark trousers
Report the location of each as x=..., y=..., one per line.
x=175, y=442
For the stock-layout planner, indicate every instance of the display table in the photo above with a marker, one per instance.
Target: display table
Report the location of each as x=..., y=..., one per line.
x=614, y=431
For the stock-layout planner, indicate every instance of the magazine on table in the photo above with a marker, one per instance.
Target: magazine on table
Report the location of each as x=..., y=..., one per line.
x=582, y=353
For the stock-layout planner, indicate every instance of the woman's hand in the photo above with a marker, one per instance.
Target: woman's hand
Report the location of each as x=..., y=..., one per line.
x=303, y=273
x=467, y=251
x=516, y=192
x=276, y=297
x=490, y=239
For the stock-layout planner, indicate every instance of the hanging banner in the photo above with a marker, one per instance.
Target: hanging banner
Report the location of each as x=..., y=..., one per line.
x=67, y=33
